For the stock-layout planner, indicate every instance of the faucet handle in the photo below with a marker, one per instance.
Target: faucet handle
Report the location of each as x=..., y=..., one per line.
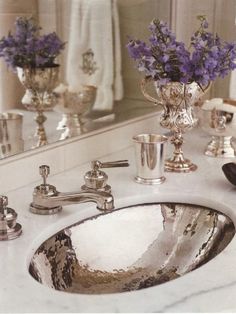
x=9, y=229
x=96, y=164
x=96, y=179
x=44, y=171
x=44, y=190
x=3, y=203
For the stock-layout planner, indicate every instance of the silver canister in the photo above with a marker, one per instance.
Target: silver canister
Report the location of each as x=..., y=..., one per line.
x=11, y=141
x=150, y=158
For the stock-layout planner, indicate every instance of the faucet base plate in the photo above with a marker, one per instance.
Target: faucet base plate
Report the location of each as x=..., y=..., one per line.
x=11, y=233
x=40, y=210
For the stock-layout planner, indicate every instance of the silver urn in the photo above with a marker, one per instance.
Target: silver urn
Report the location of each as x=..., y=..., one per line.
x=39, y=97
x=177, y=100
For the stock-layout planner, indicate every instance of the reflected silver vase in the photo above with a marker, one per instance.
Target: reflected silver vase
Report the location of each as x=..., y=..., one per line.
x=217, y=117
x=177, y=100
x=73, y=105
x=39, y=84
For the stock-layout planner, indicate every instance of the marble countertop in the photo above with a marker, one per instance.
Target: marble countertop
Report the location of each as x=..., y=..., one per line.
x=210, y=288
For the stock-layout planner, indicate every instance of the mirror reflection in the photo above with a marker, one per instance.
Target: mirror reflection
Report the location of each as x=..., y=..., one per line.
x=97, y=84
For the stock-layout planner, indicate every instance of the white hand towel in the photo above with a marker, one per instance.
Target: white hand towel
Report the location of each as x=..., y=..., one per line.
x=118, y=81
x=92, y=28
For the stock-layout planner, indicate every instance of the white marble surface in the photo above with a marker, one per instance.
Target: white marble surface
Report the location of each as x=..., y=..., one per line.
x=210, y=288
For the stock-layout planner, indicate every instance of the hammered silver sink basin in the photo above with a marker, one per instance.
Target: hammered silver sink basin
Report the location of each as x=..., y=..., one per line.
x=131, y=248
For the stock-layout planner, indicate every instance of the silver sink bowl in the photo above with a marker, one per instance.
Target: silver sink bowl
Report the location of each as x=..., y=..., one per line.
x=131, y=248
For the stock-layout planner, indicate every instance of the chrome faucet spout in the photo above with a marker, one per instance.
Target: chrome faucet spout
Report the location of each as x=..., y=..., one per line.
x=61, y=199
x=48, y=203
x=47, y=200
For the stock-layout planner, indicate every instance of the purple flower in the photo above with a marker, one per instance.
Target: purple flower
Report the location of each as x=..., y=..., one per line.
x=165, y=57
x=211, y=57
x=205, y=24
x=168, y=60
x=137, y=49
x=28, y=48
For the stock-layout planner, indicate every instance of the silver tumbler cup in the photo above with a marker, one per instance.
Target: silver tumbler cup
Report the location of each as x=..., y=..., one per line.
x=150, y=158
x=11, y=141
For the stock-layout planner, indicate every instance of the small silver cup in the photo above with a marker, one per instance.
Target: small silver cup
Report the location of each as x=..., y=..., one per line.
x=11, y=141
x=150, y=157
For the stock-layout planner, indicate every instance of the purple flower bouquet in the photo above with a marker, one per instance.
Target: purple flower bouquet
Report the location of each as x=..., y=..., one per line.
x=167, y=60
x=27, y=48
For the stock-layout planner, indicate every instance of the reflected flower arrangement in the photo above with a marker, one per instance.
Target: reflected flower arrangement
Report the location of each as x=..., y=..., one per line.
x=27, y=48
x=167, y=60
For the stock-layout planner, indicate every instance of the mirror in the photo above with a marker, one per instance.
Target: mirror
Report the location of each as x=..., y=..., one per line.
x=96, y=33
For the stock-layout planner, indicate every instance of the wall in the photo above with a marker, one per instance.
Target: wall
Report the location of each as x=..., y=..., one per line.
x=135, y=16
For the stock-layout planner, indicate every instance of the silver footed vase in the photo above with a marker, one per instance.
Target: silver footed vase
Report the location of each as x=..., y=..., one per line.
x=177, y=100
x=73, y=105
x=39, y=83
